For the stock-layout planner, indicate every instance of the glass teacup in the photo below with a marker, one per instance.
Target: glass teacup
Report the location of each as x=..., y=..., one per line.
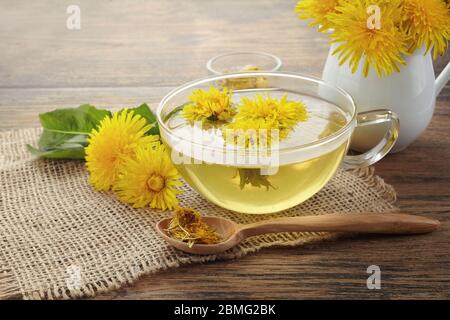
x=243, y=61
x=287, y=172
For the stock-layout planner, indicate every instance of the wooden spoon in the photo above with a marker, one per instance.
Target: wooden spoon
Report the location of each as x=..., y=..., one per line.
x=233, y=233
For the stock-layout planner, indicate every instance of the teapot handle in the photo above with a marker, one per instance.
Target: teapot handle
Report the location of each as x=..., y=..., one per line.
x=383, y=147
x=442, y=79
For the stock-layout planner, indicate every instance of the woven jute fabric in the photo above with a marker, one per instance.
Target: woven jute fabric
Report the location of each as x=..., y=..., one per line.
x=53, y=225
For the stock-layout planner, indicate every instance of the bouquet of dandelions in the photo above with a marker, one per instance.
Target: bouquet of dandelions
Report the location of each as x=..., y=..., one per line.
x=403, y=27
x=123, y=152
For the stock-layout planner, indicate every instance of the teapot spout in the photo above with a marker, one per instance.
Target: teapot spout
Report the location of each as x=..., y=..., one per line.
x=442, y=79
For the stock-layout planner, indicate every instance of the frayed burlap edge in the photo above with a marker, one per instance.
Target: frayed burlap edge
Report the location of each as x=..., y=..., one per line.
x=10, y=289
x=8, y=285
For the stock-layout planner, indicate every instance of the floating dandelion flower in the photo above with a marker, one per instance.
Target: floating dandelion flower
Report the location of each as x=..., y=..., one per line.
x=212, y=105
x=381, y=49
x=148, y=179
x=426, y=23
x=261, y=123
x=251, y=133
x=264, y=112
x=115, y=139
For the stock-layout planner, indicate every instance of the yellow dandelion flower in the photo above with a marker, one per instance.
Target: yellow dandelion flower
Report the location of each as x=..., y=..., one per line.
x=264, y=112
x=148, y=179
x=318, y=11
x=282, y=114
x=116, y=138
x=255, y=133
x=381, y=49
x=212, y=105
x=427, y=22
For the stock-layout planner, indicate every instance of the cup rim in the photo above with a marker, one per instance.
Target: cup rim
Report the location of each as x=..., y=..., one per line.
x=334, y=136
x=209, y=64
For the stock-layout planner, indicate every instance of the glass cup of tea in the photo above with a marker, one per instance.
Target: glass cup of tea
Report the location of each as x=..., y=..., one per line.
x=243, y=61
x=268, y=179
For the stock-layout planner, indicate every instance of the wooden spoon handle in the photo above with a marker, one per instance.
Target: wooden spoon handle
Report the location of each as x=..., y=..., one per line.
x=385, y=223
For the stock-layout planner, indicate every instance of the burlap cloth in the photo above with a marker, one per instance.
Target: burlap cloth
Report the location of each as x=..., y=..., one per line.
x=51, y=220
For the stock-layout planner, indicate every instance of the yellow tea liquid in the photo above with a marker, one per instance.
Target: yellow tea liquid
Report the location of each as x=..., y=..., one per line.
x=244, y=189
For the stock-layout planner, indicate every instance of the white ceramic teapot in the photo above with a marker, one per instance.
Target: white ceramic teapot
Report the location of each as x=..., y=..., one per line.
x=410, y=93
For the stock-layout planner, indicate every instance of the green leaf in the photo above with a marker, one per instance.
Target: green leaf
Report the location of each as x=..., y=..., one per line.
x=144, y=111
x=56, y=145
x=66, y=131
x=51, y=139
x=79, y=120
x=74, y=152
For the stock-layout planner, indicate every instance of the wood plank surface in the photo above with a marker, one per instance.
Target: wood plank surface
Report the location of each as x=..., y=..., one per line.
x=132, y=51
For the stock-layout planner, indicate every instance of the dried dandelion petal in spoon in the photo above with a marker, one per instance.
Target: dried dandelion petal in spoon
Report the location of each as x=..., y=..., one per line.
x=187, y=226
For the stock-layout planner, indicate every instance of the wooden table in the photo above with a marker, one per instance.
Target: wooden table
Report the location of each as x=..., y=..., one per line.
x=130, y=51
